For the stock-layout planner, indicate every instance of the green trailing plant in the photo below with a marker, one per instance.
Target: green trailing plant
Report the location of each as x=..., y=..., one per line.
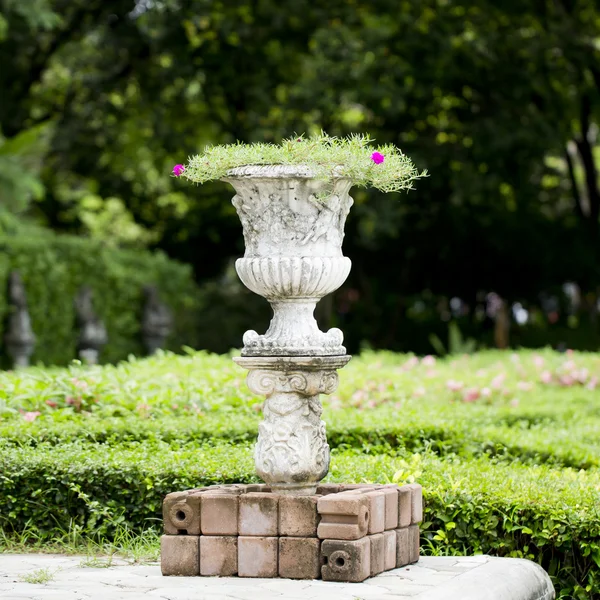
x=383, y=167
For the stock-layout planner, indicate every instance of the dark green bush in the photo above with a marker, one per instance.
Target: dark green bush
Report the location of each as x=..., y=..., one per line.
x=53, y=268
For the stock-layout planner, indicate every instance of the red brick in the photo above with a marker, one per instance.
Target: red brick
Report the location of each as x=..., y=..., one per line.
x=218, y=555
x=299, y=558
x=219, y=514
x=389, y=541
x=257, y=556
x=377, y=553
x=346, y=560
x=181, y=513
x=298, y=516
x=258, y=514
x=180, y=555
x=343, y=516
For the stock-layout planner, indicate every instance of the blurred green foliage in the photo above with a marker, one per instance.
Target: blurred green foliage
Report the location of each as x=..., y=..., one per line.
x=500, y=102
x=54, y=268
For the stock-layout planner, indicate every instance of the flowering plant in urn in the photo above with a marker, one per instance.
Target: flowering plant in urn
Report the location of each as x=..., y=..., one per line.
x=293, y=199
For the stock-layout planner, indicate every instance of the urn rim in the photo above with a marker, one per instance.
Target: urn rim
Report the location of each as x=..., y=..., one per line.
x=277, y=171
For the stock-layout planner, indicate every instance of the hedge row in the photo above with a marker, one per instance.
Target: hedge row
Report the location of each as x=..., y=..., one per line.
x=472, y=506
x=53, y=268
x=576, y=446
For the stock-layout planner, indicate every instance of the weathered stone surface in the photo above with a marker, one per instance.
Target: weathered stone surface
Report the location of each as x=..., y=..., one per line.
x=432, y=578
x=391, y=507
x=343, y=516
x=293, y=254
x=218, y=555
x=181, y=513
x=328, y=488
x=180, y=555
x=389, y=542
x=403, y=553
x=416, y=498
x=219, y=513
x=404, y=506
x=299, y=558
x=377, y=553
x=298, y=516
x=346, y=560
x=292, y=454
x=257, y=556
x=414, y=543
x=258, y=514
x=376, y=511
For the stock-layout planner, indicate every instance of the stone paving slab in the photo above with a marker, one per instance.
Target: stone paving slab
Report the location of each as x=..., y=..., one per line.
x=432, y=578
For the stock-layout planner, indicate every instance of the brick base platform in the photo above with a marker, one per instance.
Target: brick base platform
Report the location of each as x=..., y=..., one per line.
x=343, y=533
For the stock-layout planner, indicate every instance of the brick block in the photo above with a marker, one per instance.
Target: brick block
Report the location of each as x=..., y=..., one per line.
x=404, y=506
x=343, y=516
x=391, y=507
x=376, y=511
x=328, y=488
x=298, y=516
x=416, y=503
x=299, y=558
x=346, y=560
x=218, y=555
x=377, y=553
x=180, y=555
x=219, y=514
x=402, y=547
x=181, y=513
x=258, y=514
x=389, y=542
x=414, y=542
x=257, y=556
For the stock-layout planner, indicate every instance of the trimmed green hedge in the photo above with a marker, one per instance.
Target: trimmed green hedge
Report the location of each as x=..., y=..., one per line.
x=550, y=516
x=53, y=268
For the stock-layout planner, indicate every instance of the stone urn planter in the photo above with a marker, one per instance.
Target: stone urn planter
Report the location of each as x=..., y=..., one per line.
x=293, y=200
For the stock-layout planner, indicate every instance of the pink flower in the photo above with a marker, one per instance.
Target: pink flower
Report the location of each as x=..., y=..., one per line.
x=471, y=395
x=486, y=392
x=419, y=392
x=546, y=377
x=377, y=158
x=51, y=403
x=538, y=361
x=514, y=402
x=178, y=170
x=428, y=361
x=31, y=416
x=566, y=380
x=454, y=386
x=524, y=386
x=413, y=361
x=593, y=382
x=498, y=381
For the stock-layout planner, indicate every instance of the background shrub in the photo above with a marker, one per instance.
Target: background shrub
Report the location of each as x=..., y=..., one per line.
x=53, y=268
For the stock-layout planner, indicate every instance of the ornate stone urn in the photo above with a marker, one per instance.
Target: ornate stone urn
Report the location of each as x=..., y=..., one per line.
x=293, y=230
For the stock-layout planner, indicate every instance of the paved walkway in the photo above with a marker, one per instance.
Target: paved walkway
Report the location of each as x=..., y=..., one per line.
x=433, y=578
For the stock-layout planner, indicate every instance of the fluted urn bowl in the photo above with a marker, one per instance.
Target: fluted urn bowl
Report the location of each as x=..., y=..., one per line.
x=293, y=230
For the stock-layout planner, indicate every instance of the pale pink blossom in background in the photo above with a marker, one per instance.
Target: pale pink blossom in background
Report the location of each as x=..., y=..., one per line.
x=580, y=375
x=454, y=386
x=538, y=361
x=411, y=363
x=524, y=386
x=566, y=380
x=471, y=395
x=514, y=402
x=569, y=365
x=546, y=377
x=498, y=381
x=569, y=352
x=51, y=403
x=419, y=392
x=428, y=361
x=31, y=416
x=430, y=373
x=486, y=392
x=592, y=383
x=515, y=357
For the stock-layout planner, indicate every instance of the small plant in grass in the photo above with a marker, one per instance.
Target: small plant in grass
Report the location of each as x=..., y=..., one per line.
x=41, y=576
x=383, y=167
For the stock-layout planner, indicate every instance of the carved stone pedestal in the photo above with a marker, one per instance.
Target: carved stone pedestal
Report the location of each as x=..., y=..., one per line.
x=292, y=454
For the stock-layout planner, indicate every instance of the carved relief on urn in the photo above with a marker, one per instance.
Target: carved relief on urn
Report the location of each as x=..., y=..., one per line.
x=293, y=230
